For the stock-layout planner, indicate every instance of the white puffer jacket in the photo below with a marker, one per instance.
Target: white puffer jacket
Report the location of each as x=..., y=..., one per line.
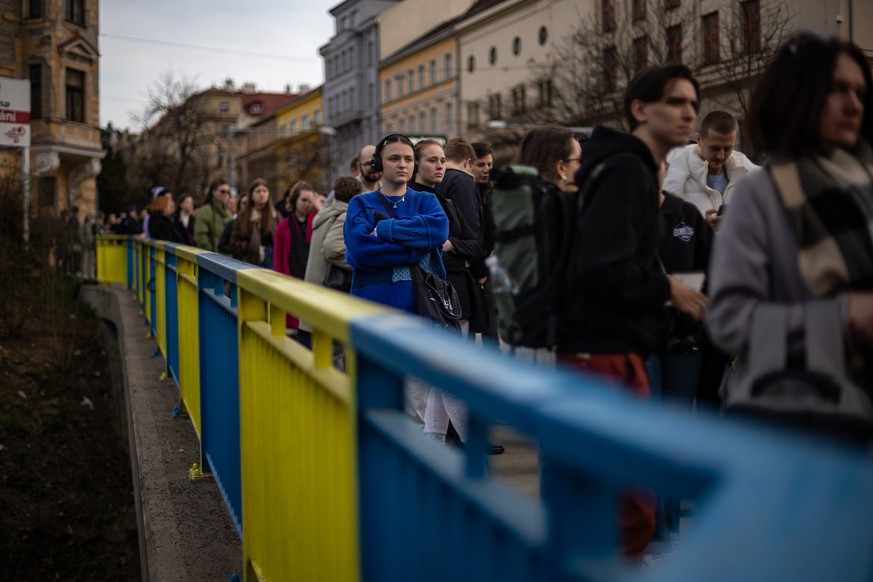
x=686, y=177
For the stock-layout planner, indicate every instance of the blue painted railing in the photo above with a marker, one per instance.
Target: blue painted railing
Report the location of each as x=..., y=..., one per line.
x=767, y=507
x=219, y=375
x=172, y=308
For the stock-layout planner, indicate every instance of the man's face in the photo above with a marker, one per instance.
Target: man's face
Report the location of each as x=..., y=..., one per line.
x=716, y=148
x=482, y=168
x=368, y=174
x=670, y=121
x=222, y=193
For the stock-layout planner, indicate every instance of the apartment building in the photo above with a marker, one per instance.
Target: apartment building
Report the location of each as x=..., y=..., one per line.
x=54, y=43
x=303, y=145
x=351, y=78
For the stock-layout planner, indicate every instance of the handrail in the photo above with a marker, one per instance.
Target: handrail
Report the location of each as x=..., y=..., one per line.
x=335, y=482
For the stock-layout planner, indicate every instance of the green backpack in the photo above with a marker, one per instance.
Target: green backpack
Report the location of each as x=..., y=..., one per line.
x=534, y=222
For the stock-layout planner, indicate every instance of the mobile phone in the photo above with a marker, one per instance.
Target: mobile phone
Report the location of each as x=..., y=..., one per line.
x=721, y=209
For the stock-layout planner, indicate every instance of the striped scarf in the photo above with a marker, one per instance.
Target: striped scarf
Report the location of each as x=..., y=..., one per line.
x=829, y=203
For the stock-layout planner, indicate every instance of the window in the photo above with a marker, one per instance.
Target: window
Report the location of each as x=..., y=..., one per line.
x=674, y=43
x=751, y=25
x=544, y=87
x=387, y=89
x=412, y=123
x=35, y=73
x=34, y=8
x=607, y=14
x=421, y=76
x=411, y=76
x=518, y=100
x=316, y=117
x=473, y=114
x=516, y=46
x=282, y=131
x=710, y=38
x=494, y=106
x=610, y=69
x=639, y=9
x=371, y=95
x=671, y=4
x=370, y=53
x=422, y=121
x=641, y=53
x=293, y=127
x=449, y=117
x=433, y=74
x=543, y=35
x=471, y=64
x=433, y=119
x=401, y=125
x=256, y=108
x=448, y=60
x=304, y=122
x=76, y=12
x=492, y=56
x=353, y=103
x=399, y=79
x=75, y=95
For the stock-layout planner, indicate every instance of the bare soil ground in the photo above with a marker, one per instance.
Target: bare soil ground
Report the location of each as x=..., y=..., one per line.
x=66, y=498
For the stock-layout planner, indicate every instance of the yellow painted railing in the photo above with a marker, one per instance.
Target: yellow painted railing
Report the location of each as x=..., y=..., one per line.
x=112, y=259
x=297, y=433
x=189, y=334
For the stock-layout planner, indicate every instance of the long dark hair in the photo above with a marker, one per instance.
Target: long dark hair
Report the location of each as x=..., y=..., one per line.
x=210, y=194
x=543, y=147
x=245, y=217
x=785, y=109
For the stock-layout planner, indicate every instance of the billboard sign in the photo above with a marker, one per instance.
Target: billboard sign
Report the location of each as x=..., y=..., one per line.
x=15, y=112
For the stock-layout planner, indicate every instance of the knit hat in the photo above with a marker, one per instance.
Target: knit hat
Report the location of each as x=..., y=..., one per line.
x=159, y=191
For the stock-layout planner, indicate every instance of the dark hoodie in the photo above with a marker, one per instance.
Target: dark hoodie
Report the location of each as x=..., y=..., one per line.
x=616, y=287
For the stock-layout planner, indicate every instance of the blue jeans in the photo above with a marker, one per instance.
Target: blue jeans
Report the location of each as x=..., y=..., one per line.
x=673, y=379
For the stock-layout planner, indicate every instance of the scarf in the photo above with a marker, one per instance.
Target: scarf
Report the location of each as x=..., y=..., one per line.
x=828, y=199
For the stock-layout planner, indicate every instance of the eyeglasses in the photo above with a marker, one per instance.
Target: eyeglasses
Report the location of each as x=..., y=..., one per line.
x=224, y=191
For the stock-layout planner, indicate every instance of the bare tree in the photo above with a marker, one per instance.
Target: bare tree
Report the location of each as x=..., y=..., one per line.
x=593, y=64
x=751, y=38
x=175, y=139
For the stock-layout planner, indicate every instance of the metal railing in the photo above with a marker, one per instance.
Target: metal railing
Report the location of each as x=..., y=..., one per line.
x=328, y=479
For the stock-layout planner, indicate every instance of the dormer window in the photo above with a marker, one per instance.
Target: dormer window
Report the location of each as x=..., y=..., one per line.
x=256, y=108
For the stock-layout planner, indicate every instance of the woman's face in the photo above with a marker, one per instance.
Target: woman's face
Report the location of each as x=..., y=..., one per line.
x=170, y=208
x=432, y=165
x=398, y=162
x=567, y=168
x=260, y=196
x=843, y=112
x=305, y=203
x=482, y=168
x=187, y=204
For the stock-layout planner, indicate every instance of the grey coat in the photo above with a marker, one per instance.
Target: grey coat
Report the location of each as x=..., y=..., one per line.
x=754, y=274
x=328, y=220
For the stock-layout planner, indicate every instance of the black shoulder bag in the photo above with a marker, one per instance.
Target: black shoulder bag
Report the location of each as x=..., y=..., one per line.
x=435, y=299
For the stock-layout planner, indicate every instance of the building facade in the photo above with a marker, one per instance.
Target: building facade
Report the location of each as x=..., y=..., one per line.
x=419, y=86
x=54, y=43
x=303, y=145
x=351, y=91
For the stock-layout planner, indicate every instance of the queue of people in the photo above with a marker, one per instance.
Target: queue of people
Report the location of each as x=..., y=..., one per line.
x=669, y=292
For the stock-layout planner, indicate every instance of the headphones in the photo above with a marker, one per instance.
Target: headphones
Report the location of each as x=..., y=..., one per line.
x=376, y=162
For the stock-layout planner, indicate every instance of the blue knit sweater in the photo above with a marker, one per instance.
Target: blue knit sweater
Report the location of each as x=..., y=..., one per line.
x=381, y=261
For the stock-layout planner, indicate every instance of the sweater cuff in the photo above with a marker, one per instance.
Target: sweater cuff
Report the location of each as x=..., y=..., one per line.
x=385, y=230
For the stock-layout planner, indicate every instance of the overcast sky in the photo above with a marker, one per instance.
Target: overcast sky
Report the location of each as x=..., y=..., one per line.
x=292, y=29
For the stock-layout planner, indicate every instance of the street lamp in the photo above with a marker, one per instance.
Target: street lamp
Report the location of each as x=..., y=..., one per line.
x=500, y=124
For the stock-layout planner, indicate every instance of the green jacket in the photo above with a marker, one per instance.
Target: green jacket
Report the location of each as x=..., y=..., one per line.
x=211, y=219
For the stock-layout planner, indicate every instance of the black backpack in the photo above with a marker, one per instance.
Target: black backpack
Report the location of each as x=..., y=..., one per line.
x=534, y=223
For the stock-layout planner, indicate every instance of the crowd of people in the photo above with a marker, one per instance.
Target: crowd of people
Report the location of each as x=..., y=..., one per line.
x=763, y=310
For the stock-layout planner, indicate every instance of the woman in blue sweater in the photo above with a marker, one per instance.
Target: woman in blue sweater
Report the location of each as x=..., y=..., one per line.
x=393, y=228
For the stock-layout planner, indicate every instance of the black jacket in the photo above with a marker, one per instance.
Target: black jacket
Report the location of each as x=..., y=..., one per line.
x=616, y=289
x=161, y=227
x=684, y=248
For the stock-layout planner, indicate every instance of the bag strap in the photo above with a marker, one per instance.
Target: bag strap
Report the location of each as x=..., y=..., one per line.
x=385, y=203
x=825, y=350
x=768, y=349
